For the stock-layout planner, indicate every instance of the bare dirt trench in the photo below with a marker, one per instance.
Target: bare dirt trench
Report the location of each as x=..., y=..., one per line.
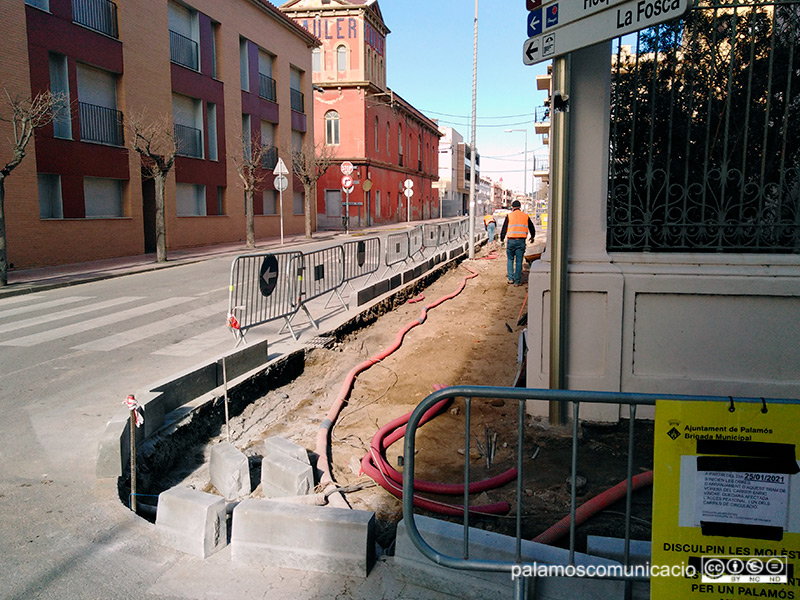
x=471, y=339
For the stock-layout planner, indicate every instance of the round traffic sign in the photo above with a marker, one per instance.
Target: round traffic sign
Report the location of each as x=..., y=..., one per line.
x=268, y=275
x=367, y=185
x=347, y=167
x=347, y=181
x=408, y=192
x=408, y=183
x=281, y=183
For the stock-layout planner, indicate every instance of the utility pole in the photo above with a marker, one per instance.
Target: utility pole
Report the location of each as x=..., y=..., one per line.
x=472, y=143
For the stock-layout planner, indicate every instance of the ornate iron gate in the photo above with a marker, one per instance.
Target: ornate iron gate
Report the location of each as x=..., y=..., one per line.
x=705, y=132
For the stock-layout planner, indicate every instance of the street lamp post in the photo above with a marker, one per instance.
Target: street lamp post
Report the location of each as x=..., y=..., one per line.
x=525, y=163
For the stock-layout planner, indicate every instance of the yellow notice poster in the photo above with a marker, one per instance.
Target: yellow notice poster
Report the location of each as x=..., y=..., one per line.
x=726, y=501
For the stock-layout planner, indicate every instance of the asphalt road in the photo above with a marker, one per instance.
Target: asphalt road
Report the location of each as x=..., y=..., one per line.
x=68, y=358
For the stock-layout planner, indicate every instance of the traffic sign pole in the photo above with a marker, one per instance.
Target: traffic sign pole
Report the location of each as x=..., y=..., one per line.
x=281, y=183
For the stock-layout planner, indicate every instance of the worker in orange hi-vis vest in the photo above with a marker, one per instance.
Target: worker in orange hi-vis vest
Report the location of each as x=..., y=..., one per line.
x=491, y=226
x=517, y=226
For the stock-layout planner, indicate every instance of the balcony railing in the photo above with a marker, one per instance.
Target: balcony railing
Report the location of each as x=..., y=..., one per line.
x=541, y=164
x=101, y=124
x=542, y=114
x=188, y=141
x=298, y=101
x=183, y=50
x=100, y=15
x=267, y=88
x=269, y=158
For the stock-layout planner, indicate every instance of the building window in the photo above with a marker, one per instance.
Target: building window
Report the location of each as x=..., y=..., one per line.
x=102, y=198
x=332, y=128
x=388, y=137
x=190, y=200
x=184, y=47
x=266, y=83
x=247, y=136
x=377, y=204
x=214, y=59
x=97, y=107
x=244, y=65
x=213, y=151
x=270, y=202
x=316, y=60
x=187, y=115
x=297, y=142
x=59, y=87
x=43, y=4
x=400, y=143
x=295, y=83
x=376, y=134
x=220, y=200
x=341, y=58
x=99, y=15
x=50, y=204
x=298, y=203
x=269, y=156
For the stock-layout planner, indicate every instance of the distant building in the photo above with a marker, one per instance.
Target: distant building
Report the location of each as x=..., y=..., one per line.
x=455, y=169
x=383, y=136
x=207, y=69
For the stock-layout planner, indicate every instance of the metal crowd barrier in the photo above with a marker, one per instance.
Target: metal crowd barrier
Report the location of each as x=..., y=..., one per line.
x=322, y=272
x=416, y=244
x=397, y=250
x=362, y=257
x=522, y=395
x=263, y=287
x=430, y=237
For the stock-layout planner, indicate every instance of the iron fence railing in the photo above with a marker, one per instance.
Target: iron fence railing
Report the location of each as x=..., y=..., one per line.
x=101, y=124
x=521, y=454
x=267, y=88
x=298, y=101
x=183, y=50
x=704, y=148
x=541, y=163
x=188, y=141
x=99, y=15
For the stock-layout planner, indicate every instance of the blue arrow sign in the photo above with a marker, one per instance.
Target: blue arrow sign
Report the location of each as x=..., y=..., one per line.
x=535, y=22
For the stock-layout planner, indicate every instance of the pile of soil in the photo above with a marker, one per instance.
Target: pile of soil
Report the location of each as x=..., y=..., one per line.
x=471, y=339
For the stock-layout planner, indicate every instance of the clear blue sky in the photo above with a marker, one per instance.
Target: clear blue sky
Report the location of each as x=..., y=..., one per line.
x=429, y=63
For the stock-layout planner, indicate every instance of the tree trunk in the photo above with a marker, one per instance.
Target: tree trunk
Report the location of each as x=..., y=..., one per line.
x=250, y=219
x=161, y=226
x=3, y=252
x=308, y=196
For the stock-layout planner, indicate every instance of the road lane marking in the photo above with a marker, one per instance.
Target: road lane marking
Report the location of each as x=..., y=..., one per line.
x=64, y=314
x=123, y=338
x=60, y=332
x=11, y=312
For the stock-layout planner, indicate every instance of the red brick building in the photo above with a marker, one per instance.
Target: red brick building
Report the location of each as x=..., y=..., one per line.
x=209, y=68
x=369, y=125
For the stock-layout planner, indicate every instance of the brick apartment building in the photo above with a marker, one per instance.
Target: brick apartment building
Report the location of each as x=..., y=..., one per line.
x=385, y=137
x=209, y=68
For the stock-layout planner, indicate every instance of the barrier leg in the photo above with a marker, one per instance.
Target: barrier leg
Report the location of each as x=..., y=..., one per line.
x=288, y=324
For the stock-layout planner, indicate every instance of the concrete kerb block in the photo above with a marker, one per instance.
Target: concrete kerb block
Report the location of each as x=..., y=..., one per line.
x=296, y=536
x=187, y=386
x=285, y=475
x=192, y=521
x=242, y=361
x=230, y=471
x=448, y=538
x=279, y=445
x=113, y=451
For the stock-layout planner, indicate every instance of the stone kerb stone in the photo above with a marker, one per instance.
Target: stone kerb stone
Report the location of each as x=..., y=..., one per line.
x=297, y=536
x=230, y=471
x=192, y=521
x=285, y=469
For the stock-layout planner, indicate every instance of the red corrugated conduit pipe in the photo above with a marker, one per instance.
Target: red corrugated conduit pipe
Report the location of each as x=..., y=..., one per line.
x=389, y=432
x=595, y=505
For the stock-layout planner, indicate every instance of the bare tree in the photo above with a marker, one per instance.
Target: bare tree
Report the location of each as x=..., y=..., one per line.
x=154, y=140
x=27, y=115
x=309, y=165
x=251, y=165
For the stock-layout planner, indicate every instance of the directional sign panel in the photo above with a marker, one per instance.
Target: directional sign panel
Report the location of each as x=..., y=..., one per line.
x=268, y=275
x=626, y=17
